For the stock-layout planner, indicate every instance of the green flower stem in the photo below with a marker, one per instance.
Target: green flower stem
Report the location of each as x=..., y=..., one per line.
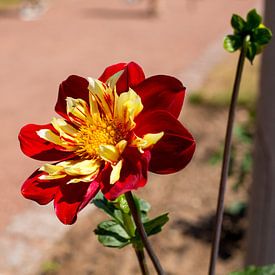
x=142, y=233
x=142, y=261
x=225, y=163
x=128, y=222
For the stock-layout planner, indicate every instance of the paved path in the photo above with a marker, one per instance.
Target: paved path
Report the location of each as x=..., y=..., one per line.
x=83, y=37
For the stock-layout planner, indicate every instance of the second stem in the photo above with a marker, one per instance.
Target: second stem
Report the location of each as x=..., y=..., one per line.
x=225, y=163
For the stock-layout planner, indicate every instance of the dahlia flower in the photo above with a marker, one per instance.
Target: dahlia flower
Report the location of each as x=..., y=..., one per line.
x=111, y=132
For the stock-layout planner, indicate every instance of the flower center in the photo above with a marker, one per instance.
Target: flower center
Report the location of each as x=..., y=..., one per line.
x=90, y=137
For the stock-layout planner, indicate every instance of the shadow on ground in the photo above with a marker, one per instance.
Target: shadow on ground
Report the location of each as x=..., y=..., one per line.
x=232, y=236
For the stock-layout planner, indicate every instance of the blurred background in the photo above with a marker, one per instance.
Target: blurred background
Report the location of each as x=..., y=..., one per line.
x=45, y=41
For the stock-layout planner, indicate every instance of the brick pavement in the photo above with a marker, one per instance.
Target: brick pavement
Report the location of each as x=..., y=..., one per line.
x=83, y=37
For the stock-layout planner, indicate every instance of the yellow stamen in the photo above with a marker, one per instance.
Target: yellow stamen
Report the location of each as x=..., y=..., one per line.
x=90, y=138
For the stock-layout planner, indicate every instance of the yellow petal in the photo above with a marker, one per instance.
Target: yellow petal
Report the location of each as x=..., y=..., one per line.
x=152, y=139
x=109, y=152
x=111, y=81
x=78, y=111
x=121, y=146
x=147, y=141
x=49, y=136
x=52, y=169
x=94, y=108
x=81, y=167
x=65, y=130
x=128, y=106
x=52, y=177
x=54, y=172
x=115, y=174
x=104, y=96
x=88, y=178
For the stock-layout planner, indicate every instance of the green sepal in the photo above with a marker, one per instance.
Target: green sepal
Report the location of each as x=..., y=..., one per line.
x=155, y=225
x=262, y=35
x=253, y=20
x=121, y=203
x=251, y=50
x=112, y=234
x=237, y=23
x=232, y=43
x=250, y=34
x=253, y=270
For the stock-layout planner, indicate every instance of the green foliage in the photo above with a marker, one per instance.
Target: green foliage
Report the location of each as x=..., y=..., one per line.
x=155, y=225
x=253, y=270
x=121, y=230
x=249, y=34
x=109, y=208
x=50, y=267
x=112, y=234
x=236, y=208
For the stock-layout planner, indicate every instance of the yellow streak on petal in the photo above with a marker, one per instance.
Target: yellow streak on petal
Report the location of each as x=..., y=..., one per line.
x=81, y=167
x=104, y=96
x=51, y=169
x=52, y=177
x=54, y=172
x=64, y=129
x=94, y=108
x=78, y=111
x=147, y=141
x=112, y=80
x=128, y=106
x=121, y=146
x=88, y=178
x=109, y=152
x=49, y=136
x=115, y=174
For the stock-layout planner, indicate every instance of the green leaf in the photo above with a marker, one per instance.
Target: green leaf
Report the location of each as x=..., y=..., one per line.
x=108, y=207
x=253, y=19
x=155, y=225
x=253, y=270
x=232, y=43
x=112, y=234
x=236, y=208
x=237, y=23
x=262, y=36
x=144, y=206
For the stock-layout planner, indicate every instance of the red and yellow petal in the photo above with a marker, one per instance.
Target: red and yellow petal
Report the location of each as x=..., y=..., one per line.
x=133, y=174
x=174, y=150
x=75, y=87
x=38, y=148
x=161, y=92
x=71, y=198
x=38, y=190
x=131, y=76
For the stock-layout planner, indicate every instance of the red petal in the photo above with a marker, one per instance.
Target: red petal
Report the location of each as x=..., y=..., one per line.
x=131, y=76
x=175, y=149
x=161, y=92
x=40, y=191
x=111, y=70
x=74, y=86
x=35, y=147
x=132, y=176
x=71, y=198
